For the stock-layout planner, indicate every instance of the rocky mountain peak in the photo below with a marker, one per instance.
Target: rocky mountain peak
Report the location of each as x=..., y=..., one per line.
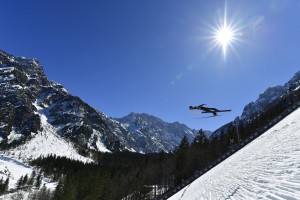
x=154, y=134
x=30, y=103
x=268, y=96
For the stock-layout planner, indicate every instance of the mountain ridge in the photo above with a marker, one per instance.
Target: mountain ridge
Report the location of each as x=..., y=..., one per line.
x=269, y=96
x=162, y=135
x=266, y=98
x=31, y=104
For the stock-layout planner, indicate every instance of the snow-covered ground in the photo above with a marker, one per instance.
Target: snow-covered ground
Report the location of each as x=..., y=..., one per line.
x=13, y=162
x=267, y=168
x=14, y=169
x=45, y=143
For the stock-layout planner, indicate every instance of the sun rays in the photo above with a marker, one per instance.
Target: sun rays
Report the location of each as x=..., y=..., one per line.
x=224, y=34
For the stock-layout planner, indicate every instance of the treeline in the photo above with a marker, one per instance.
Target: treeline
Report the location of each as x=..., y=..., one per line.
x=34, y=180
x=127, y=175
x=116, y=176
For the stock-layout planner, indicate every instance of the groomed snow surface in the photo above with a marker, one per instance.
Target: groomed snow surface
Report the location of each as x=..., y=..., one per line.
x=267, y=168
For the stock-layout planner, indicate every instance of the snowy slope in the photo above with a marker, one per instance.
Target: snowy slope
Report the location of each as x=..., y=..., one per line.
x=267, y=168
x=44, y=143
x=14, y=169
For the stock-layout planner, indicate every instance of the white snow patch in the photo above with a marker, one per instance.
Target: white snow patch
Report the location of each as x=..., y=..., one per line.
x=45, y=143
x=99, y=144
x=267, y=168
x=34, y=62
x=297, y=88
x=7, y=78
x=6, y=69
x=130, y=149
x=13, y=136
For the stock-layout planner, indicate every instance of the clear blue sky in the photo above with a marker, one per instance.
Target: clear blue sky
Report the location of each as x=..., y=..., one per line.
x=156, y=56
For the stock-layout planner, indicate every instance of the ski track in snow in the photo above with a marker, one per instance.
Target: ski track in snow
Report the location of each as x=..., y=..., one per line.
x=267, y=168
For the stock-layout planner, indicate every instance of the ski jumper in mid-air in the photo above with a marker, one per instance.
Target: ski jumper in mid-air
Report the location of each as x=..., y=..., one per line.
x=204, y=109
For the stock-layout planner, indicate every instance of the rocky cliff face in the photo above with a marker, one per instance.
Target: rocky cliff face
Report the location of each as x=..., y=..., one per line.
x=28, y=100
x=19, y=85
x=269, y=96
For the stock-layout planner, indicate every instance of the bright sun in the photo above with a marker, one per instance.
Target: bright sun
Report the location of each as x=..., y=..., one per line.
x=224, y=36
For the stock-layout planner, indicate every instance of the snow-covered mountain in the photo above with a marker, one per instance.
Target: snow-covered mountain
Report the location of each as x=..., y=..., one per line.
x=267, y=168
x=153, y=134
x=30, y=103
x=268, y=96
x=36, y=113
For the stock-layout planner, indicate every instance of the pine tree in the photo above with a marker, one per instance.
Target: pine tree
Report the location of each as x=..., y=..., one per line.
x=58, y=193
x=184, y=144
x=20, y=182
x=181, y=159
x=68, y=189
x=6, y=183
x=25, y=180
x=38, y=181
x=2, y=187
x=200, y=140
x=31, y=179
x=44, y=194
x=223, y=142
